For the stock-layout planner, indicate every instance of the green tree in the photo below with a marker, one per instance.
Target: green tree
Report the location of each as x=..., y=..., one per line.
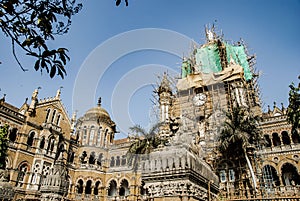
x=3, y=145
x=293, y=110
x=240, y=133
x=143, y=143
x=31, y=24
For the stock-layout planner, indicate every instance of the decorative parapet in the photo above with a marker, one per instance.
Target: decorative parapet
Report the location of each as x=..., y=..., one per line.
x=175, y=171
x=11, y=113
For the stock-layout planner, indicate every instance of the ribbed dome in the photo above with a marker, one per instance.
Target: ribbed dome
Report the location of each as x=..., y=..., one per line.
x=98, y=114
x=98, y=111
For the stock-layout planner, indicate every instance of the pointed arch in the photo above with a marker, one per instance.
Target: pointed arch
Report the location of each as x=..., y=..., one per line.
x=112, y=188
x=124, y=188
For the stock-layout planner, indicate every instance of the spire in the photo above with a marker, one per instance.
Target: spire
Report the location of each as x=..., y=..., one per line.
x=164, y=85
x=34, y=100
x=99, y=102
x=58, y=93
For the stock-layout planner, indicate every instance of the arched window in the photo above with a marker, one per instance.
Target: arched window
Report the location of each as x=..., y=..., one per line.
x=276, y=139
x=290, y=175
x=112, y=161
x=50, y=146
x=92, y=158
x=21, y=174
x=83, y=157
x=112, y=189
x=47, y=115
x=99, y=160
x=285, y=138
x=13, y=134
x=118, y=161
x=296, y=137
x=30, y=138
x=92, y=135
x=123, y=160
x=58, y=120
x=270, y=176
x=42, y=143
x=79, y=187
x=124, y=188
x=268, y=140
x=105, y=137
x=88, y=187
x=96, y=189
x=98, y=137
x=84, y=135
x=53, y=116
x=223, y=176
x=231, y=175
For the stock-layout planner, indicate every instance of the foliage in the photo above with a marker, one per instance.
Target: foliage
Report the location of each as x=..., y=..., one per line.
x=3, y=145
x=240, y=134
x=31, y=24
x=144, y=142
x=118, y=2
x=241, y=130
x=293, y=110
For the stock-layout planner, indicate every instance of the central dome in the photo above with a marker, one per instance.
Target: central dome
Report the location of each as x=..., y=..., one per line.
x=98, y=111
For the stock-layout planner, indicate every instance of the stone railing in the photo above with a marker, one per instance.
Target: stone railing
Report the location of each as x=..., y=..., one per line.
x=281, y=148
x=279, y=193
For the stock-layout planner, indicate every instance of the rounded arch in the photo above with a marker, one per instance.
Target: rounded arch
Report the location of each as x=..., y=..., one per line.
x=267, y=140
x=124, y=188
x=295, y=137
x=285, y=138
x=112, y=188
x=276, y=139
x=92, y=158
x=51, y=142
x=53, y=116
x=79, y=186
x=26, y=163
x=92, y=135
x=47, y=115
x=30, y=137
x=97, y=186
x=84, y=135
x=13, y=134
x=289, y=174
x=88, y=186
x=23, y=167
x=42, y=142
x=270, y=176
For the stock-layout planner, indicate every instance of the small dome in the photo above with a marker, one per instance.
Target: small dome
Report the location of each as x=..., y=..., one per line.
x=98, y=111
x=98, y=114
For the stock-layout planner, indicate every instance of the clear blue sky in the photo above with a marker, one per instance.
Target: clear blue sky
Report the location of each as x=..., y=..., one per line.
x=270, y=28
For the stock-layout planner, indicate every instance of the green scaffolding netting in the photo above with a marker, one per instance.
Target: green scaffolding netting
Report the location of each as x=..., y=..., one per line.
x=238, y=54
x=186, y=68
x=208, y=59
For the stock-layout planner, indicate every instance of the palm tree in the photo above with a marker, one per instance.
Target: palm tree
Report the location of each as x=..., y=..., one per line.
x=144, y=142
x=241, y=130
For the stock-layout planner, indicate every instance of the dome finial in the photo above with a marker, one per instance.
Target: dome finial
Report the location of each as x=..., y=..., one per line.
x=99, y=102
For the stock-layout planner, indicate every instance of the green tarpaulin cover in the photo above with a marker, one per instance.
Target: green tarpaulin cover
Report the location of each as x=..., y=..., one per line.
x=238, y=54
x=208, y=59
